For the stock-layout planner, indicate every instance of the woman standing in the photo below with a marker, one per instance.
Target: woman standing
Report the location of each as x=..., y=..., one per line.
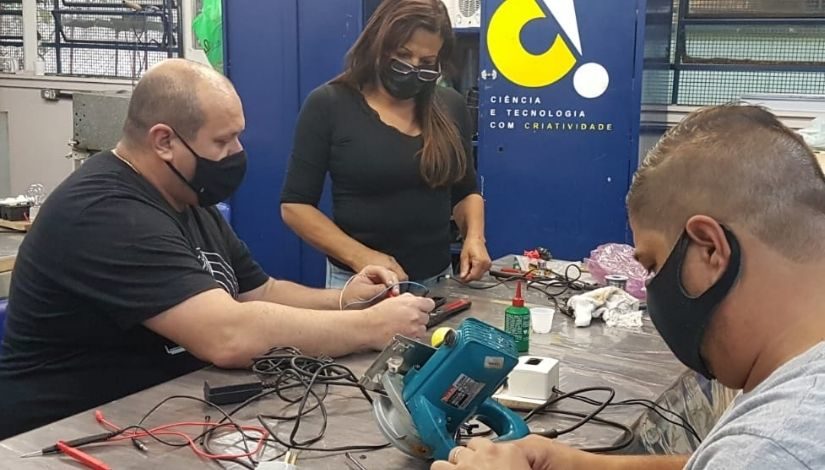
x=397, y=148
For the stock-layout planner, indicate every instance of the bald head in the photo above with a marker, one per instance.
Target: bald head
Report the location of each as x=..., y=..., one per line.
x=173, y=92
x=741, y=166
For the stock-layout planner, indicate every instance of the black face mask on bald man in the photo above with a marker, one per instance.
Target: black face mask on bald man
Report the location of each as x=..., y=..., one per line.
x=214, y=181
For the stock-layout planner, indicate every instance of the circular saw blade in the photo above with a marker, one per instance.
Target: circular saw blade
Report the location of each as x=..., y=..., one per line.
x=395, y=421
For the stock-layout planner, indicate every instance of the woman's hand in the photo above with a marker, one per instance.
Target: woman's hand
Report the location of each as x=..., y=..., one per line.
x=376, y=258
x=475, y=261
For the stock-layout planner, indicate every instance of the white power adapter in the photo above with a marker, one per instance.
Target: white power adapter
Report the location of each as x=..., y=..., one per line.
x=531, y=383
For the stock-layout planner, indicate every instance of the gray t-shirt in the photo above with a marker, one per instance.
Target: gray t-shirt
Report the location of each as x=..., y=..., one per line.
x=780, y=424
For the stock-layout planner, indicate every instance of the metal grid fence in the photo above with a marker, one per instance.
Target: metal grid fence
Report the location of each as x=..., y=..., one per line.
x=720, y=50
x=757, y=8
x=105, y=38
x=11, y=34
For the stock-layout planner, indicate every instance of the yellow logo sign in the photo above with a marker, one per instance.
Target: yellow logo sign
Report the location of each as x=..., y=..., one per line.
x=526, y=69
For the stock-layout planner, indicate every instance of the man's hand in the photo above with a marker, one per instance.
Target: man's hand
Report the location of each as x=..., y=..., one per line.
x=483, y=454
x=547, y=454
x=376, y=258
x=370, y=282
x=475, y=261
x=406, y=315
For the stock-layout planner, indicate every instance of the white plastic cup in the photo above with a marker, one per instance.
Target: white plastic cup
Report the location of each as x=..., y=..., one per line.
x=542, y=319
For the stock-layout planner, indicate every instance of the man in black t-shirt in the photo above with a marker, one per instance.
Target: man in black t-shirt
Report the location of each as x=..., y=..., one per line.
x=130, y=277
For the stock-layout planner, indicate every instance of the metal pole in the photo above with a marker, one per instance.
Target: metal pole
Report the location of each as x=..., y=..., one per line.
x=29, y=35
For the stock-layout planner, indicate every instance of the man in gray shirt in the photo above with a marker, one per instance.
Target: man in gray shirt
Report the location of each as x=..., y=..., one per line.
x=728, y=215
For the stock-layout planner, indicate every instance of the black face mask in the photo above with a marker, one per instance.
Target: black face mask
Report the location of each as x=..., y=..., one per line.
x=403, y=86
x=682, y=320
x=214, y=181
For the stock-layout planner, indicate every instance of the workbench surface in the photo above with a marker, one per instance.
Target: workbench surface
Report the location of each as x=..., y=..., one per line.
x=9, y=244
x=636, y=363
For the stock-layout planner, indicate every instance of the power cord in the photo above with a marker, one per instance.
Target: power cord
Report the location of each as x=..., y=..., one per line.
x=675, y=419
x=501, y=280
x=285, y=369
x=584, y=420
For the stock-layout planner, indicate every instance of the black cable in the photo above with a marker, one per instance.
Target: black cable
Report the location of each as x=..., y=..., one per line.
x=207, y=435
x=500, y=281
x=286, y=369
x=592, y=417
x=586, y=418
x=627, y=433
x=652, y=406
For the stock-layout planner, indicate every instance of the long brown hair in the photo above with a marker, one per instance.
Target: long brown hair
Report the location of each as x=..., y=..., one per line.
x=443, y=159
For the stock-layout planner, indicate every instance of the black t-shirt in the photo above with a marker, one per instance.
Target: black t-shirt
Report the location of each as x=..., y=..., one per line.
x=379, y=197
x=106, y=253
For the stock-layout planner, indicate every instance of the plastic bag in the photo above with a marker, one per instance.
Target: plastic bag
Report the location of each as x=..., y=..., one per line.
x=208, y=27
x=615, y=258
x=814, y=134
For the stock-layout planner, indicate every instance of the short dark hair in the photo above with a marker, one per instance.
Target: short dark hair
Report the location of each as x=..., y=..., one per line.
x=740, y=165
x=162, y=98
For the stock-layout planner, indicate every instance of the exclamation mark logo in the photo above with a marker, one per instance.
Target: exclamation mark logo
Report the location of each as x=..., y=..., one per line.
x=524, y=68
x=591, y=79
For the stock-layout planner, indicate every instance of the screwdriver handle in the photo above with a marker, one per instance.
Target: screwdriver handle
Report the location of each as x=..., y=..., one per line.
x=81, y=441
x=82, y=457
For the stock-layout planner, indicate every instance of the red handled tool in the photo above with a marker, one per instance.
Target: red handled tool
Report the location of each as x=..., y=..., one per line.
x=82, y=457
x=69, y=449
x=73, y=443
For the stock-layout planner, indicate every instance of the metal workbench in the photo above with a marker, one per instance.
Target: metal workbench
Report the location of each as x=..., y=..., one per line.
x=637, y=364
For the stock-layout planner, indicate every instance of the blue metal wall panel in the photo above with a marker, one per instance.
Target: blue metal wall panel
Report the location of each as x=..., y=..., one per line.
x=261, y=53
x=326, y=30
x=562, y=187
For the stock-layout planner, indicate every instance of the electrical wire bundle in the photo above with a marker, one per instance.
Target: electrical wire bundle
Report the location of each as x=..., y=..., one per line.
x=300, y=381
x=670, y=416
x=304, y=382
x=627, y=437
x=285, y=369
x=557, y=287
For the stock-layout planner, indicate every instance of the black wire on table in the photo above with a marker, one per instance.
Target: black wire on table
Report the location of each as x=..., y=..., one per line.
x=284, y=369
x=652, y=406
x=556, y=433
x=584, y=418
x=627, y=433
x=501, y=280
x=206, y=435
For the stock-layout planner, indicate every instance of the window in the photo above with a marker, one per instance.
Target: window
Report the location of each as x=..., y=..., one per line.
x=702, y=52
x=106, y=38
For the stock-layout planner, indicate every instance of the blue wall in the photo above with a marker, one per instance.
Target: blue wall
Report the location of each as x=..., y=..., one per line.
x=562, y=189
x=277, y=51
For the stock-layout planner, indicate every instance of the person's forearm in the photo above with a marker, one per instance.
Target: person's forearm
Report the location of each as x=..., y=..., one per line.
x=296, y=295
x=469, y=216
x=314, y=227
x=634, y=462
x=260, y=326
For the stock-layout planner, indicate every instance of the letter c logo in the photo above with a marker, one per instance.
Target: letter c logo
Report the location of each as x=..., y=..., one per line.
x=511, y=58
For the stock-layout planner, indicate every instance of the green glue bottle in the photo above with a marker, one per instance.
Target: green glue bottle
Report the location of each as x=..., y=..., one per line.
x=517, y=321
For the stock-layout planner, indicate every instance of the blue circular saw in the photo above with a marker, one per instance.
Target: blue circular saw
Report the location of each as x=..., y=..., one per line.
x=431, y=392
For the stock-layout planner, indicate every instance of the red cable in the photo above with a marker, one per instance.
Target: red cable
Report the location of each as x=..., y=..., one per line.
x=164, y=431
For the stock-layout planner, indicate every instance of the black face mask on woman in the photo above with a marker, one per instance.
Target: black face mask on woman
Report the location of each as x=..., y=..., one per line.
x=214, y=181
x=404, y=81
x=683, y=320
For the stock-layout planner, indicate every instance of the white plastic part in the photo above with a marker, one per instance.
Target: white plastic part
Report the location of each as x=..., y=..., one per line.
x=534, y=378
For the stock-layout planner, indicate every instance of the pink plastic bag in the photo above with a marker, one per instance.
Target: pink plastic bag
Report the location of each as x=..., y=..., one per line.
x=616, y=258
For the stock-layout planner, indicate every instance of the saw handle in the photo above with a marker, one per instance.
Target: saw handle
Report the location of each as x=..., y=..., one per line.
x=506, y=424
